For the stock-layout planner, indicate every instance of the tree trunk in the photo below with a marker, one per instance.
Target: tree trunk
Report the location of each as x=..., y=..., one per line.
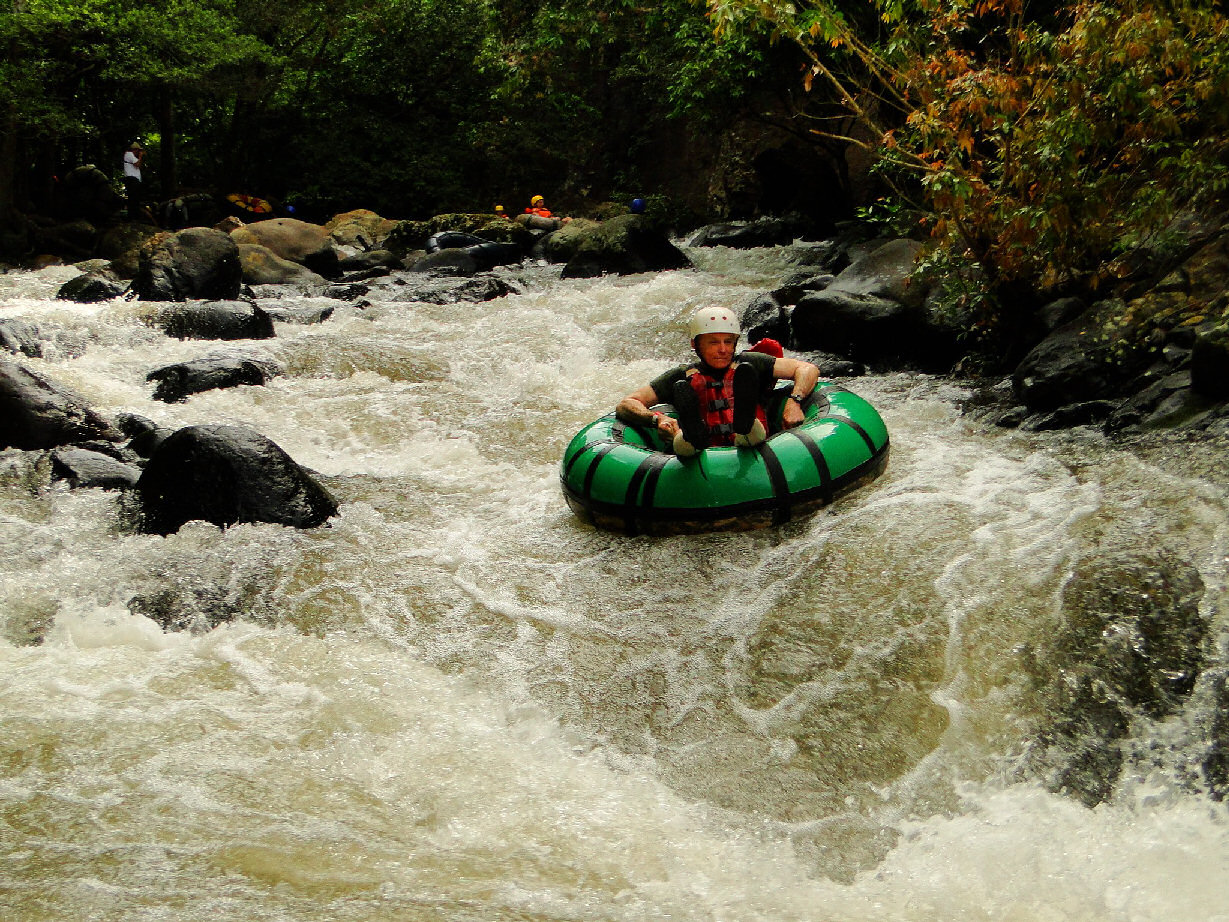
x=166, y=125
x=8, y=134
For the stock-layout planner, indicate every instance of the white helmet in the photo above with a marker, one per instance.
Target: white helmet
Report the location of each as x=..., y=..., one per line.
x=712, y=320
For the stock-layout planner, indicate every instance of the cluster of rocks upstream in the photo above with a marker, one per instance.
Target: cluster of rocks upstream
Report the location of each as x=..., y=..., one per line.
x=853, y=302
x=203, y=283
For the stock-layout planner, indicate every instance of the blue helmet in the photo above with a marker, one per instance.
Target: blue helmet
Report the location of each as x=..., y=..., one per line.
x=637, y=206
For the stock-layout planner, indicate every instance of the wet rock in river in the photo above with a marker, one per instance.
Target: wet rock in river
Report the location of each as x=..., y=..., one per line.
x=297, y=241
x=1216, y=762
x=83, y=469
x=624, y=245
x=196, y=263
x=261, y=266
x=215, y=320
x=37, y=413
x=211, y=372
x=226, y=475
x=90, y=288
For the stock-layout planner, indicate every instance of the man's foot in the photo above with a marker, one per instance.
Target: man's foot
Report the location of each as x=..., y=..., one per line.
x=683, y=448
x=754, y=437
x=693, y=434
x=746, y=399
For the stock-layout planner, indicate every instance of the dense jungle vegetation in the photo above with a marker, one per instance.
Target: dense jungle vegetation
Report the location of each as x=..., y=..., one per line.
x=1038, y=146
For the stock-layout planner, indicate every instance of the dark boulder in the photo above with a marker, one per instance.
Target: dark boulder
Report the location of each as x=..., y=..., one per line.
x=764, y=232
x=1075, y=414
x=74, y=240
x=216, y=320
x=446, y=290
x=1216, y=761
x=308, y=312
x=887, y=271
x=832, y=366
x=84, y=469
x=197, y=263
x=371, y=259
x=875, y=310
x=486, y=254
x=226, y=475
x=625, y=245
x=1071, y=365
x=366, y=275
x=450, y=261
x=1167, y=402
x=16, y=233
x=351, y=292
x=87, y=193
x=860, y=326
x=144, y=435
x=764, y=317
x=799, y=283
x=36, y=413
x=211, y=372
x=90, y=288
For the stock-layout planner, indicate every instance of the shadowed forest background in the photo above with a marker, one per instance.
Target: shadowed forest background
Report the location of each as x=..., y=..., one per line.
x=1038, y=147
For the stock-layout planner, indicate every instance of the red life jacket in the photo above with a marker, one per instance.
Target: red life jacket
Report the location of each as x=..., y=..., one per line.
x=540, y=212
x=716, y=398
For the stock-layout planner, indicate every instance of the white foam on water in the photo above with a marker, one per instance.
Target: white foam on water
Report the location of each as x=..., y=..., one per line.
x=458, y=703
x=247, y=770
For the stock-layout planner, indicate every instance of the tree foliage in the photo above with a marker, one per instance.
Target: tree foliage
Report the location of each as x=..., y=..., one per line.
x=1039, y=146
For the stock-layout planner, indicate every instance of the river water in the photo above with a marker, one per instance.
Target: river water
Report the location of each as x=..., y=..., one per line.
x=457, y=702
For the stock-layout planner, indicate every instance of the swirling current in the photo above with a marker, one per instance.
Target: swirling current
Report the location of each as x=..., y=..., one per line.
x=457, y=702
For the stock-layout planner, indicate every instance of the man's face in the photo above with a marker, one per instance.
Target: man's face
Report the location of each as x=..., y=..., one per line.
x=717, y=349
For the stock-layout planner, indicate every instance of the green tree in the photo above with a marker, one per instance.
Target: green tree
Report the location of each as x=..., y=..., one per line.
x=591, y=85
x=1040, y=147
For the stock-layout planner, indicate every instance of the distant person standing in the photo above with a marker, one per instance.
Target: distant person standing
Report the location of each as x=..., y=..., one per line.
x=134, y=160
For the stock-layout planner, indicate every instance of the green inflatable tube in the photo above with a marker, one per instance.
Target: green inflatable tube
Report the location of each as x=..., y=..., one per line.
x=620, y=476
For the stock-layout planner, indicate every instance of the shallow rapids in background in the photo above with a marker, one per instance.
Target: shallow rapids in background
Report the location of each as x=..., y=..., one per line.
x=457, y=702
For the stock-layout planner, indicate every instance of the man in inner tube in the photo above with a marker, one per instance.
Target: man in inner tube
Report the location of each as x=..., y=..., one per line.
x=721, y=398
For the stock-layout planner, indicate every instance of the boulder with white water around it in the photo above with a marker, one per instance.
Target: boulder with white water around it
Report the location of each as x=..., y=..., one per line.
x=211, y=372
x=37, y=413
x=228, y=475
x=215, y=320
x=197, y=263
x=625, y=245
x=90, y=288
x=83, y=468
x=765, y=232
x=21, y=337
